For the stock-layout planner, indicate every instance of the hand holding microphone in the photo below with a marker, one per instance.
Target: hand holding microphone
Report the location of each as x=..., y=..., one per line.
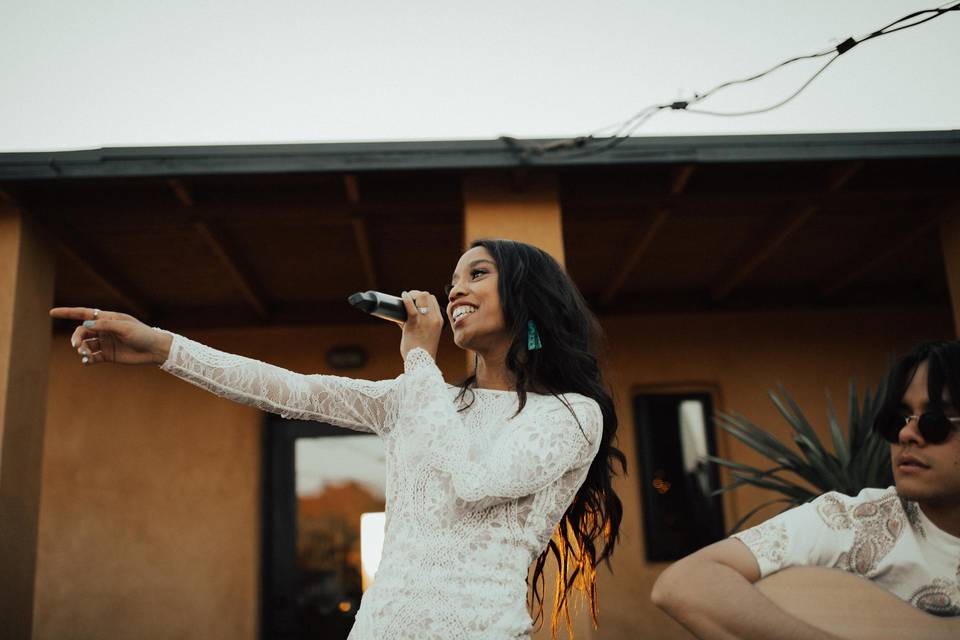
x=417, y=312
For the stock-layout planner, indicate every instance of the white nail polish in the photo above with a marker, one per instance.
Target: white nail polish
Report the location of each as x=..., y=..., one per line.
x=73, y=343
x=84, y=359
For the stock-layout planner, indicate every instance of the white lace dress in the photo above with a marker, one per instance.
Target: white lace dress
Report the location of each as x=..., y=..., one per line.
x=473, y=496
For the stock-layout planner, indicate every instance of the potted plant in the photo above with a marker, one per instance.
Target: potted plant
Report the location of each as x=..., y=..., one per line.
x=859, y=458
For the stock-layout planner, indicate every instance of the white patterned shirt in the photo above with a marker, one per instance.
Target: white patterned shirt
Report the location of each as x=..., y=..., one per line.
x=876, y=535
x=473, y=495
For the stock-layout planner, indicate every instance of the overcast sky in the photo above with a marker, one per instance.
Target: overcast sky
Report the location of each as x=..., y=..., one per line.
x=322, y=462
x=93, y=73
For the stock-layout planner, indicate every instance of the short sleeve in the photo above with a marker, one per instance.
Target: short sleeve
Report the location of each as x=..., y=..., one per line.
x=802, y=536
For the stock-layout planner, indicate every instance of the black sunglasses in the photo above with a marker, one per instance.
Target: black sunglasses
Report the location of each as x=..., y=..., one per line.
x=934, y=427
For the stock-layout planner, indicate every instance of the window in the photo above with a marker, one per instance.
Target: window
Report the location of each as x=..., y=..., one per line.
x=673, y=433
x=324, y=493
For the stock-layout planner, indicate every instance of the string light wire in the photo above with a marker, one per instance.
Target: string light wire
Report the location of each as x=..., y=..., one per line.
x=584, y=145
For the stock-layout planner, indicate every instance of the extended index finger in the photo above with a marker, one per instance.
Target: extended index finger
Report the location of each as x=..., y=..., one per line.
x=72, y=313
x=85, y=313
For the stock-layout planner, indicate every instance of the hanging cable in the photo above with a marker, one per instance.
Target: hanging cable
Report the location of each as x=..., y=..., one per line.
x=587, y=145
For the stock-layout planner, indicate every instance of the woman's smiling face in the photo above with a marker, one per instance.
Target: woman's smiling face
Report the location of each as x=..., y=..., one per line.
x=473, y=303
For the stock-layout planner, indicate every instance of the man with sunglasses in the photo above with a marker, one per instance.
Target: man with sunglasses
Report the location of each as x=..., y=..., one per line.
x=906, y=539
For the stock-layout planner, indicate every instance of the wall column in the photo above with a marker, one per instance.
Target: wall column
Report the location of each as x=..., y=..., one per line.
x=26, y=293
x=499, y=205
x=524, y=208
x=950, y=240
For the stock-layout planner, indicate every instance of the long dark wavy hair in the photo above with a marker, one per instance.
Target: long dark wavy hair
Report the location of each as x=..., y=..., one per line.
x=533, y=286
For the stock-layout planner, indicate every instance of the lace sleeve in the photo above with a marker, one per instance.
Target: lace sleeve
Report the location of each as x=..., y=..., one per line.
x=361, y=405
x=536, y=449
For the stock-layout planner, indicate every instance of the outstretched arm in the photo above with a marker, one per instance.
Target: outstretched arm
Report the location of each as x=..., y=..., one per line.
x=107, y=336
x=711, y=593
x=361, y=405
x=113, y=337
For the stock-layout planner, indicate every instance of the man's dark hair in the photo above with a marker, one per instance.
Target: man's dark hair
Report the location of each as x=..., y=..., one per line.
x=943, y=358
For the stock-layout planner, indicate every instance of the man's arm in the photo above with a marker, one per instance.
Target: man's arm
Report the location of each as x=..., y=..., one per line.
x=711, y=593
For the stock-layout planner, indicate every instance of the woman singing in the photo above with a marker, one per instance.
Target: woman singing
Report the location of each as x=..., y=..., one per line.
x=511, y=468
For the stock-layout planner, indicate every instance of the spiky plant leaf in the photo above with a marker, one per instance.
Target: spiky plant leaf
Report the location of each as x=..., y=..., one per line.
x=739, y=466
x=836, y=435
x=787, y=488
x=858, y=460
x=768, y=446
x=853, y=411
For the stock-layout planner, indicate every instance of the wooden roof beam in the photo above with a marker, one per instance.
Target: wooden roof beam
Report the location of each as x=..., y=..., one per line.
x=762, y=252
x=352, y=189
x=844, y=174
x=680, y=181
x=358, y=221
x=239, y=275
x=63, y=238
x=221, y=249
x=181, y=191
x=95, y=266
x=640, y=247
x=868, y=264
x=774, y=240
x=701, y=199
x=363, y=246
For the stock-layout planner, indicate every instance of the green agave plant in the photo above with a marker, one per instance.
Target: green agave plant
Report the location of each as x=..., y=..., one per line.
x=859, y=459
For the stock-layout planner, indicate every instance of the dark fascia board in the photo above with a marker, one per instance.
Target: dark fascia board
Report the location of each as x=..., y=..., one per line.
x=469, y=155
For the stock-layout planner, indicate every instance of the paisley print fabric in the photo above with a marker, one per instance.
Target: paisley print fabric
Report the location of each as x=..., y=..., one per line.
x=877, y=535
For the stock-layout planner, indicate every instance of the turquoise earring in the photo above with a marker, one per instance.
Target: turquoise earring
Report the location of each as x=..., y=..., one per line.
x=533, y=337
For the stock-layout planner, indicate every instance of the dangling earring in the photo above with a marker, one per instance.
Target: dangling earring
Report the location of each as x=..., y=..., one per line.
x=476, y=362
x=533, y=337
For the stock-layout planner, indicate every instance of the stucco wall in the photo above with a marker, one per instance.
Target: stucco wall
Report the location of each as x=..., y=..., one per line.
x=149, y=522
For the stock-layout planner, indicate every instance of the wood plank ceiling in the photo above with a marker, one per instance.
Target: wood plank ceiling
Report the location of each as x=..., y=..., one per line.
x=255, y=249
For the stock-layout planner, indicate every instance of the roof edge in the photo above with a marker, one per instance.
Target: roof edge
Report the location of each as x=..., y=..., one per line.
x=470, y=154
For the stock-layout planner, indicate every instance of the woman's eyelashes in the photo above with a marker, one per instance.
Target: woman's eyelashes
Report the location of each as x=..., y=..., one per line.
x=473, y=276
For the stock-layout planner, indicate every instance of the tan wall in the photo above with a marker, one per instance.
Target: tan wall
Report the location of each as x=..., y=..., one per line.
x=150, y=521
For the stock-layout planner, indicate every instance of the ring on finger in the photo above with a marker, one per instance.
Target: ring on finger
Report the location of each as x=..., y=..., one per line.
x=423, y=310
x=96, y=313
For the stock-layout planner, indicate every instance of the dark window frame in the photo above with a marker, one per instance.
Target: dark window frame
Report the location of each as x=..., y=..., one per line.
x=709, y=395
x=278, y=558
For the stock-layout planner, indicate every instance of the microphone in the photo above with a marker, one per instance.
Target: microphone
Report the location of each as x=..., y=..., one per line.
x=381, y=305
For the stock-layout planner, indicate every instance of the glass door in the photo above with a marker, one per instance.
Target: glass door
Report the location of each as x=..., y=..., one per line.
x=324, y=492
